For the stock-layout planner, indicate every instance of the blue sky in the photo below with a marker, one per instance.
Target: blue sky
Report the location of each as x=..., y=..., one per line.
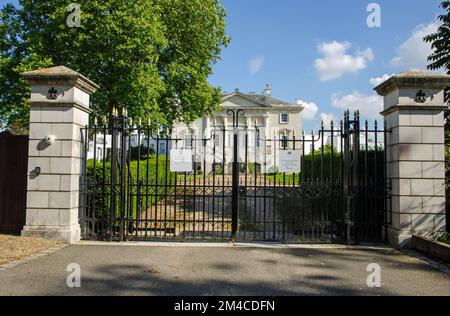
x=322, y=52
x=278, y=42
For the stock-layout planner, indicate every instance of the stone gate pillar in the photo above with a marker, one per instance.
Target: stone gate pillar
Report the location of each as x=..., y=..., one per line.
x=59, y=108
x=413, y=112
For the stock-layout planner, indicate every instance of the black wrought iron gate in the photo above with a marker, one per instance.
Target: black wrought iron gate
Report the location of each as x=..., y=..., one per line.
x=235, y=189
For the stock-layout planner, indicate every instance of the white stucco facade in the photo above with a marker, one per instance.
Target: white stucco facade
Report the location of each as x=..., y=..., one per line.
x=264, y=123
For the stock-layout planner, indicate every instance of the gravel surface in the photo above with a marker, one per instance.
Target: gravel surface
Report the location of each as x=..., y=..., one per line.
x=14, y=248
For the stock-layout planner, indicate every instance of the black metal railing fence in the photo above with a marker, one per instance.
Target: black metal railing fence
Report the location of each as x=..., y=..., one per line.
x=235, y=190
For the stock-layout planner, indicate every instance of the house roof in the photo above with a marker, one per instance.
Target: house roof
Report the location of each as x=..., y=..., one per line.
x=262, y=100
x=268, y=99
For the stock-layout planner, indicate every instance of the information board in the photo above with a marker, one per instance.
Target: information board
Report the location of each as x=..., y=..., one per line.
x=181, y=160
x=289, y=161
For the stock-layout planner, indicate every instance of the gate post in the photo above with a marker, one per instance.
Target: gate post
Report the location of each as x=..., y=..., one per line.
x=235, y=189
x=235, y=174
x=59, y=108
x=413, y=113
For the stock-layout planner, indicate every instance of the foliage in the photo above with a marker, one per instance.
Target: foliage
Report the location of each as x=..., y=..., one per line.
x=141, y=152
x=218, y=169
x=103, y=170
x=14, y=58
x=440, y=59
x=315, y=166
x=152, y=57
x=252, y=167
x=443, y=237
x=99, y=178
x=440, y=43
x=329, y=167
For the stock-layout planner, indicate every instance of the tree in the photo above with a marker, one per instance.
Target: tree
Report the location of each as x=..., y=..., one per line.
x=152, y=57
x=438, y=60
x=13, y=59
x=441, y=44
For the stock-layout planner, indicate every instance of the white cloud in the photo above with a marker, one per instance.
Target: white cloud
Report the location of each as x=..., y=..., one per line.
x=378, y=80
x=337, y=62
x=369, y=106
x=327, y=118
x=413, y=53
x=255, y=64
x=310, y=110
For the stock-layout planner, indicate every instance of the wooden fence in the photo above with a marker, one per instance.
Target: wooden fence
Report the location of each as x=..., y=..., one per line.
x=13, y=182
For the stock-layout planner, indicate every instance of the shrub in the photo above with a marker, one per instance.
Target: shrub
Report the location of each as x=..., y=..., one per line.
x=443, y=237
x=137, y=175
x=218, y=169
x=141, y=152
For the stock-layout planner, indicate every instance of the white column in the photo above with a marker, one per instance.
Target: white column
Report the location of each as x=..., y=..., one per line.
x=59, y=108
x=413, y=112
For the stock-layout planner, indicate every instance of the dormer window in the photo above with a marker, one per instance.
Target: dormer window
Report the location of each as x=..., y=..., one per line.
x=284, y=118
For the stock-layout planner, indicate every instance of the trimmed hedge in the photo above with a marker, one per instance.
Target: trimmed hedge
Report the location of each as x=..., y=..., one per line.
x=99, y=183
x=103, y=170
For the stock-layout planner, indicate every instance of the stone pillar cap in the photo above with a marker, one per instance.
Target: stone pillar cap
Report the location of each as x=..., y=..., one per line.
x=414, y=78
x=60, y=75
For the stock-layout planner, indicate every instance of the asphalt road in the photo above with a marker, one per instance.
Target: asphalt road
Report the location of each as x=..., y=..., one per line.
x=188, y=270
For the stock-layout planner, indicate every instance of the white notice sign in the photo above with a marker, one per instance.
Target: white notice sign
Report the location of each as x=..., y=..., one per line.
x=289, y=161
x=181, y=160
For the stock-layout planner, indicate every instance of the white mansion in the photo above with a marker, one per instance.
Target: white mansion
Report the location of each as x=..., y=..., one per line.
x=265, y=120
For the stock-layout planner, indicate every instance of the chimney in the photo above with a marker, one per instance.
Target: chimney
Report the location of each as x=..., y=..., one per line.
x=268, y=90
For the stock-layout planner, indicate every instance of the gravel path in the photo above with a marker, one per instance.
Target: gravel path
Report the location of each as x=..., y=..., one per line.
x=14, y=248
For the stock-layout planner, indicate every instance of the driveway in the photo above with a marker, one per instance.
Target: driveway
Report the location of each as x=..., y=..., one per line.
x=114, y=269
